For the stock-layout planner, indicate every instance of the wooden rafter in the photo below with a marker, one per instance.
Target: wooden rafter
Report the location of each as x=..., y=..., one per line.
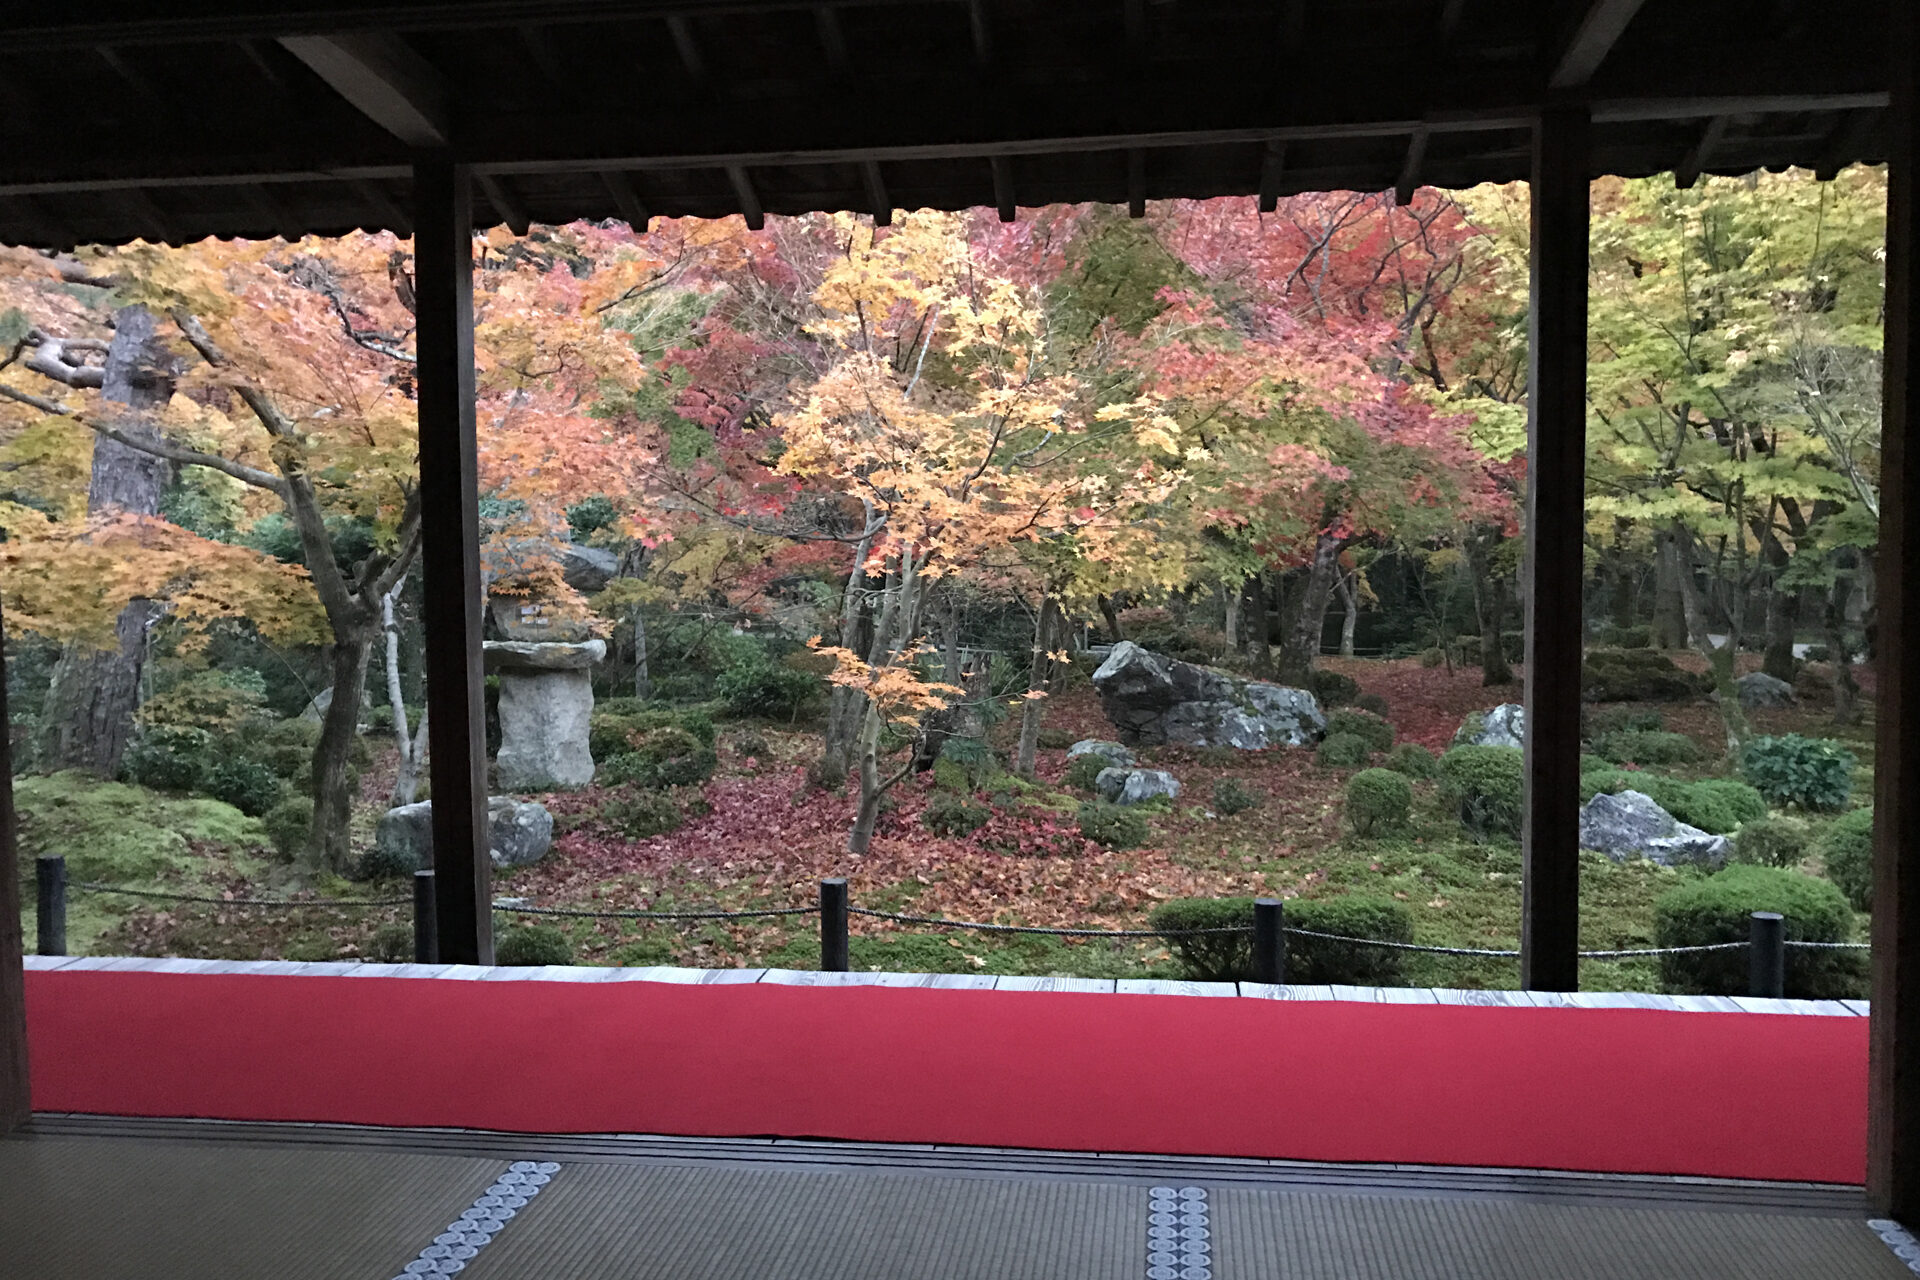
x=384, y=79
x=1593, y=40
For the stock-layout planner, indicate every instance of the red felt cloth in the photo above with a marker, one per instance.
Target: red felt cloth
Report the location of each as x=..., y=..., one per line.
x=1618, y=1090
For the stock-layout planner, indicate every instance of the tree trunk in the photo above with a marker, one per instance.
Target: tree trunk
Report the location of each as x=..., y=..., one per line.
x=1301, y=644
x=642, y=679
x=1489, y=606
x=329, y=846
x=845, y=706
x=412, y=748
x=1230, y=621
x=891, y=637
x=1783, y=612
x=1669, y=610
x=1112, y=619
x=1350, y=611
x=1846, y=690
x=1726, y=695
x=1039, y=684
x=1265, y=590
x=95, y=692
x=867, y=755
x=952, y=667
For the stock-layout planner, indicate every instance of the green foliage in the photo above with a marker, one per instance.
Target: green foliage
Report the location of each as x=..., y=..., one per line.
x=664, y=757
x=1432, y=657
x=1378, y=800
x=1847, y=853
x=1636, y=675
x=637, y=813
x=955, y=815
x=1636, y=637
x=219, y=702
x=1812, y=773
x=1228, y=957
x=1342, y=751
x=1377, y=732
x=1774, y=841
x=1082, y=770
x=1229, y=798
x=1372, y=702
x=119, y=834
x=288, y=823
x=287, y=747
x=1217, y=757
x=391, y=943
x=964, y=765
x=750, y=744
x=590, y=515
x=169, y=758
x=1485, y=782
x=1333, y=689
x=532, y=944
x=615, y=722
x=1614, y=720
x=1112, y=826
x=1413, y=760
x=1717, y=805
x=247, y=785
x=1646, y=746
x=1051, y=739
x=1717, y=909
x=386, y=864
x=762, y=688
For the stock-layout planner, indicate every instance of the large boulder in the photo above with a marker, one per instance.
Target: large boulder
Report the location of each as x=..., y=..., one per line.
x=1151, y=698
x=1112, y=752
x=1758, y=689
x=1135, y=786
x=1504, y=726
x=518, y=832
x=1631, y=825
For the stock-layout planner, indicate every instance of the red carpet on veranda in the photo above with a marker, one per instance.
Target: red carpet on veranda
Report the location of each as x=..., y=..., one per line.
x=1617, y=1090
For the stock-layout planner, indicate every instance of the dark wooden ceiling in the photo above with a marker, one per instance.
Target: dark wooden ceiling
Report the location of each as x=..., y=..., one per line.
x=234, y=118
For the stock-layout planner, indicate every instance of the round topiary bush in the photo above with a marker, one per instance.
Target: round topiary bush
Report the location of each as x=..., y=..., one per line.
x=288, y=823
x=1342, y=751
x=169, y=758
x=1413, y=760
x=639, y=814
x=385, y=864
x=952, y=815
x=1718, y=805
x=1847, y=852
x=1082, y=770
x=1378, y=800
x=669, y=756
x=1332, y=688
x=1486, y=784
x=1719, y=908
x=760, y=688
x=1636, y=675
x=391, y=943
x=287, y=747
x=1372, y=702
x=1813, y=773
x=1112, y=826
x=1229, y=798
x=247, y=785
x=532, y=944
x=1228, y=957
x=1774, y=841
x=1362, y=724
x=1645, y=746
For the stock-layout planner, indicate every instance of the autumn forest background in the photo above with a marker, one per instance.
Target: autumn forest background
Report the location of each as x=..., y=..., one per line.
x=858, y=511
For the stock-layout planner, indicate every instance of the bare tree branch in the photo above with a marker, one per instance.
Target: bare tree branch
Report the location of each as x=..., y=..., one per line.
x=156, y=446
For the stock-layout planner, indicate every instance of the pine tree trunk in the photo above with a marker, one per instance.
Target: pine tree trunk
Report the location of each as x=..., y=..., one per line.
x=329, y=846
x=95, y=692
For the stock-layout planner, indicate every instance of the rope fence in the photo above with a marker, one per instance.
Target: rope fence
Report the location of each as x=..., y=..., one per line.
x=1766, y=943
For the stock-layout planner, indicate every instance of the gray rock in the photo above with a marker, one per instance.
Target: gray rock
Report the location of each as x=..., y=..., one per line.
x=518, y=832
x=1504, y=726
x=517, y=618
x=316, y=710
x=587, y=569
x=1132, y=786
x=1151, y=698
x=1631, y=824
x=525, y=655
x=1112, y=752
x=544, y=719
x=1758, y=689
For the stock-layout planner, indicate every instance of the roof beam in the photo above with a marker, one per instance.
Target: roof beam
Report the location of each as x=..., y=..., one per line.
x=1687, y=172
x=1843, y=144
x=620, y=187
x=748, y=198
x=982, y=32
x=833, y=40
x=1273, y=166
x=155, y=223
x=1598, y=32
x=397, y=219
x=1410, y=169
x=877, y=202
x=384, y=79
x=1003, y=187
x=506, y=205
x=687, y=47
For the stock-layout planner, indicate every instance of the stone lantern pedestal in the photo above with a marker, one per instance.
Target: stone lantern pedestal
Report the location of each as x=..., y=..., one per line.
x=546, y=698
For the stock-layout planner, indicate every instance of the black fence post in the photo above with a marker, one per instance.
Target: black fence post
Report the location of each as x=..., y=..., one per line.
x=1767, y=955
x=426, y=930
x=833, y=926
x=1269, y=941
x=50, y=875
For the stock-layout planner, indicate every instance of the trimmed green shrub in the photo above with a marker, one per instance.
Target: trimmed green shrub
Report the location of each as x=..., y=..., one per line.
x=1082, y=770
x=1718, y=909
x=1229, y=798
x=1624, y=720
x=964, y=764
x=1646, y=746
x=1054, y=739
x=287, y=747
x=385, y=864
x=1847, y=852
x=1718, y=805
x=749, y=744
x=1372, y=702
x=391, y=943
x=616, y=721
x=1363, y=724
x=1636, y=675
x=1228, y=957
x=639, y=813
x=1342, y=751
x=288, y=823
x=1485, y=782
x=247, y=785
x=1332, y=688
x=1112, y=826
x=1378, y=800
x=1433, y=657
x=533, y=944
x=1773, y=841
x=951, y=815
x=764, y=689
x=169, y=758
x=667, y=757
x=1413, y=760
x=1813, y=773
x=1615, y=637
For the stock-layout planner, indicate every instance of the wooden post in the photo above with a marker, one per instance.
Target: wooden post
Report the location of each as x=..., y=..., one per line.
x=50, y=906
x=1893, y=1098
x=1269, y=941
x=833, y=926
x=14, y=1100
x=1767, y=955
x=1556, y=515
x=426, y=946
x=450, y=559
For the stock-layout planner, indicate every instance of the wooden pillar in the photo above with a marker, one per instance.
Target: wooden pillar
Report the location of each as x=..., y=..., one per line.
x=1893, y=1117
x=1556, y=515
x=450, y=559
x=14, y=1102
